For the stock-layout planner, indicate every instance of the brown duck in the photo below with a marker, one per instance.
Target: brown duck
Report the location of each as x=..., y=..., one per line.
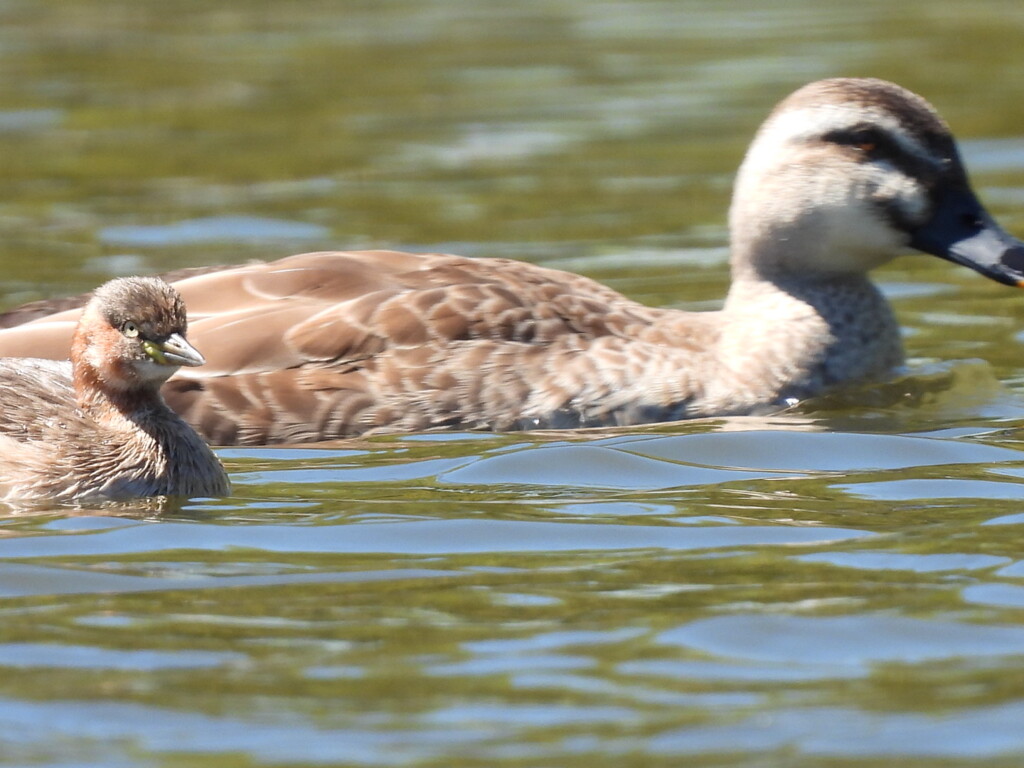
x=96, y=428
x=843, y=176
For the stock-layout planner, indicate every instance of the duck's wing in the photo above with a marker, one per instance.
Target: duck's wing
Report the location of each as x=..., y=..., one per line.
x=294, y=347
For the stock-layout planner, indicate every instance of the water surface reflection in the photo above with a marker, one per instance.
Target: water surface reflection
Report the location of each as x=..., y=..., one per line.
x=838, y=584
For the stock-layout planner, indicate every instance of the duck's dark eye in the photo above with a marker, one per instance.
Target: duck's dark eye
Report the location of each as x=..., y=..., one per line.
x=867, y=140
x=130, y=329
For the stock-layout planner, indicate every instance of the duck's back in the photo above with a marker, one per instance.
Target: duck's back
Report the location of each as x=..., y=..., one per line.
x=325, y=345
x=339, y=306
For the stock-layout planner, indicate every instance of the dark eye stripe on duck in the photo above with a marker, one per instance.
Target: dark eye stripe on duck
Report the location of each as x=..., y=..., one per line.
x=868, y=139
x=876, y=144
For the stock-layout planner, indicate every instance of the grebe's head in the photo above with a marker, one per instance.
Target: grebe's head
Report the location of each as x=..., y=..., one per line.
x=132, y=334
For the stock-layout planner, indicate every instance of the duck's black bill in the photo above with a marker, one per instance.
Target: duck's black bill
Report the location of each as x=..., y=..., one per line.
x=962, y=231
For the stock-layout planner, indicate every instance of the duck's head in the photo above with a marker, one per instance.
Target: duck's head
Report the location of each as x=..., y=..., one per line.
x=847, y=173
x=132, y=334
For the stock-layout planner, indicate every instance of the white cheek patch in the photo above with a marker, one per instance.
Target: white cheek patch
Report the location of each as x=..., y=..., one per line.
x=860, y=240
x=905, y=193
x=861, y=235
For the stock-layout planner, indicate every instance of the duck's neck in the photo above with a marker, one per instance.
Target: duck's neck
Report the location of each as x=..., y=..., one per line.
x=799, y=336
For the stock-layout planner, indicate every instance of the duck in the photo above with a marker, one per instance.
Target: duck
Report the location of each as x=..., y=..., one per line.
x=95, y=427
x=843, y=176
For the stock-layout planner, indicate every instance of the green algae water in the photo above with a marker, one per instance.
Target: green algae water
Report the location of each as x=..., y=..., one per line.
x=837, y=585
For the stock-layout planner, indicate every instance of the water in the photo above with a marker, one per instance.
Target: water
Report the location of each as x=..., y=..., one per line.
x=838, y=585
